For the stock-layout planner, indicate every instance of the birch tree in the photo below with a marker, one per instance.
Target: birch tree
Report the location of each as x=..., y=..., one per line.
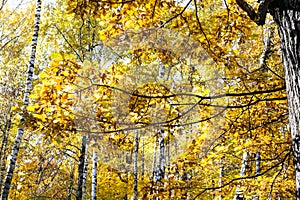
x=81, y=165
x=238, y=191
x=135, y=166
x=248, y=88
x=28, y=83
x=94, y=175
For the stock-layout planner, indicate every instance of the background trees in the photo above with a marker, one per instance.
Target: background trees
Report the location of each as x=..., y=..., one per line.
x=205, y=96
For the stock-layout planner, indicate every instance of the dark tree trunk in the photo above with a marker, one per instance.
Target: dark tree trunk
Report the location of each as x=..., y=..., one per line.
x=286, y=14
x=81, y=168
x=287, y=17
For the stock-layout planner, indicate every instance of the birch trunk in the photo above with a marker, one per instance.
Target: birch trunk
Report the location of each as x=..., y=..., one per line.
x=257, y=169
x=153, y=168
x=81, y=168
x=85, y=170
x=221, y=172
x=3, y=159
x=3, y=154
x=143, y=160
x=94, y=176
x=28, y=83
x=135, y=166
x=160, y=169
x=239, y=193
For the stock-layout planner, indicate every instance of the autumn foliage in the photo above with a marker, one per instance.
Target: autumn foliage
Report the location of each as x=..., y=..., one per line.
x=199, y=76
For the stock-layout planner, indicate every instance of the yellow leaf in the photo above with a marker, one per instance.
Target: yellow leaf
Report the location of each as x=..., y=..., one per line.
x=43, y=75
x=31, y=108
x=65, y=73
x=14, y=108
x=41, y=117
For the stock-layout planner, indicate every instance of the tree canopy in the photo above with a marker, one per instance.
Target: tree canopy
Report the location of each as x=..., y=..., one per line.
x=159, y=99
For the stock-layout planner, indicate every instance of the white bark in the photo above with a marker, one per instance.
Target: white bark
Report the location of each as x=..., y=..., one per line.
x=143, y=160
x=94, y=176
x=160, y=169
x=154, y=161
x=4, y=147
x=153, y=168
x=238, y=191
x=135, y=166
x=257, y=169
x=85, y=170
x=28, y=83
x=221, y=172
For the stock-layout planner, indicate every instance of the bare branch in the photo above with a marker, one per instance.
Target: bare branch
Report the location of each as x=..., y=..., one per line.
x=248, y=9
x=259, y=17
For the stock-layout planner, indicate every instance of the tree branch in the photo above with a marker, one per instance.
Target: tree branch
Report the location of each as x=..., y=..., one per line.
x=243, y=178
x=259, y=17
x=248, y=9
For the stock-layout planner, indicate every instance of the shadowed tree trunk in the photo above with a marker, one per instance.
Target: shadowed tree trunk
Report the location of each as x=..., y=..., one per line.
x=81, y=168
x=28, y=84
x=288, y=22
x=286, y=14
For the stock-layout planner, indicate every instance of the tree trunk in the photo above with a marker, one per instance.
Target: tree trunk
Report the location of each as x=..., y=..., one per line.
x=153, y=167
x=135, y=166
x=221, y=173
x=286, y=14
x=158, y=163
x=28, y=83
x=160, y=171
x=81, y=168
x=238, y=192
x=143, y=160
x=94, y=176
x=85, y=170
x=3, y=150
x=287, y=17
x=257, y=169
x=3, y=159
x=70, y=189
